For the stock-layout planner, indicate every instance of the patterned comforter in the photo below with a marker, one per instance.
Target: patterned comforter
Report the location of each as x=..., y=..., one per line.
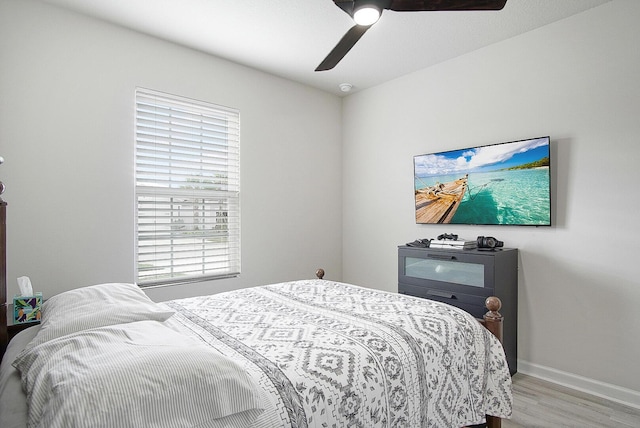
x=328, y=354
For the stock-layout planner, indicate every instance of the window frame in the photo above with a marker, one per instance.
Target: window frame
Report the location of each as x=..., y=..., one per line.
x=187, y=190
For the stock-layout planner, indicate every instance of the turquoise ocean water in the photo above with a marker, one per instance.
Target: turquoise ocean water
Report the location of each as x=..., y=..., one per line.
x=501, y=197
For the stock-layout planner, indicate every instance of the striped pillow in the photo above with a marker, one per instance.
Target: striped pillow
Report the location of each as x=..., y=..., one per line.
x=140, y=374
x=96, y=306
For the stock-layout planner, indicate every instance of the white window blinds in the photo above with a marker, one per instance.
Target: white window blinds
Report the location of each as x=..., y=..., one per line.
x=187, y=189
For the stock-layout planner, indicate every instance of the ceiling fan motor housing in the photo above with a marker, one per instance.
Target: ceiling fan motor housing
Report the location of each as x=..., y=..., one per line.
x=352, y=6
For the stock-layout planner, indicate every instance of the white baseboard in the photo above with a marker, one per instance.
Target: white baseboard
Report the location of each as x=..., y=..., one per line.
x=621, y=395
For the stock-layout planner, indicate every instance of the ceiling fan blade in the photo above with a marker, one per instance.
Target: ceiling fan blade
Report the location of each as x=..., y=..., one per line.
x=445, y=5
x=344, y=45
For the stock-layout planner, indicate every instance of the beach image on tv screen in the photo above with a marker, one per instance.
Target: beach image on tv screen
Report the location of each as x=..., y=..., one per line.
x=507, y=183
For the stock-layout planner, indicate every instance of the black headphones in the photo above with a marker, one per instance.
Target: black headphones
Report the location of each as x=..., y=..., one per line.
x=489, y=242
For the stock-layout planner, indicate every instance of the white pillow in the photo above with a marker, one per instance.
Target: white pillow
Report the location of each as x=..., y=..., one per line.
x=96, y=306
x=140, y=374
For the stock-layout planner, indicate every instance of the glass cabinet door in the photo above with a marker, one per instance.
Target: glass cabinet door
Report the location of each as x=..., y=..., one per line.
x=444, y=270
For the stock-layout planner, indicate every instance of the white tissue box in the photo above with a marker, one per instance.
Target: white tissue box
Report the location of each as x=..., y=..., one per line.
x=27, y=308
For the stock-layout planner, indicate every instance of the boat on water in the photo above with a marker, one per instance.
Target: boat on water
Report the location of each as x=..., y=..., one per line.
x=438, y=203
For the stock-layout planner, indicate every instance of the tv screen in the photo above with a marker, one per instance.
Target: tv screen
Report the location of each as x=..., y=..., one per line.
x=498, y=184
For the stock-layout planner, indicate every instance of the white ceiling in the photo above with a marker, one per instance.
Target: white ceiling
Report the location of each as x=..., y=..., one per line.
x=289, y=38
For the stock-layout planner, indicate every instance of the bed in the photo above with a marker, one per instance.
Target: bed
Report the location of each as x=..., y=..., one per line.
x=307, y=353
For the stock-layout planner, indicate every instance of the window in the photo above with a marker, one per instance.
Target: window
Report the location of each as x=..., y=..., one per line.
x=187, y=189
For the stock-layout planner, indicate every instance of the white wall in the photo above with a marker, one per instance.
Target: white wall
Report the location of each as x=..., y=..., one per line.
x=575, y=80
x=66, y=132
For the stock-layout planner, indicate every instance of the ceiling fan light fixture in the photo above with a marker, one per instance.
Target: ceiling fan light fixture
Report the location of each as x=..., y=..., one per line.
x=367, y=14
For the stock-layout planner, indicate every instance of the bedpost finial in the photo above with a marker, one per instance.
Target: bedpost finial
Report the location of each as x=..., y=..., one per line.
x=493, y=319
x=320, y=273
x=493, y=303
x=2, y=187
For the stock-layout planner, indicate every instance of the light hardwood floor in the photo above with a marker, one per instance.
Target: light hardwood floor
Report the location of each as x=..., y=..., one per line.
x=542, y=404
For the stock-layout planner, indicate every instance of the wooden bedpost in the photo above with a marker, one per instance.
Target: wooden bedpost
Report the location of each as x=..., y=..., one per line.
x=493, y=319
x=320, y=273
x=493, y=323
x=4, y=338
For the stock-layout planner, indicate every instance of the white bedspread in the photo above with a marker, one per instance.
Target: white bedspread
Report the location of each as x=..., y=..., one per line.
x=335, y=355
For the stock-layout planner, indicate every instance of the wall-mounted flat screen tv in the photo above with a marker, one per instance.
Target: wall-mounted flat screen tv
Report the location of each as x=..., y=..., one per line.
x=498, y=184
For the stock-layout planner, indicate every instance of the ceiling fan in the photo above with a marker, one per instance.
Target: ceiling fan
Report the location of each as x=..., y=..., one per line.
x=365, y=13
